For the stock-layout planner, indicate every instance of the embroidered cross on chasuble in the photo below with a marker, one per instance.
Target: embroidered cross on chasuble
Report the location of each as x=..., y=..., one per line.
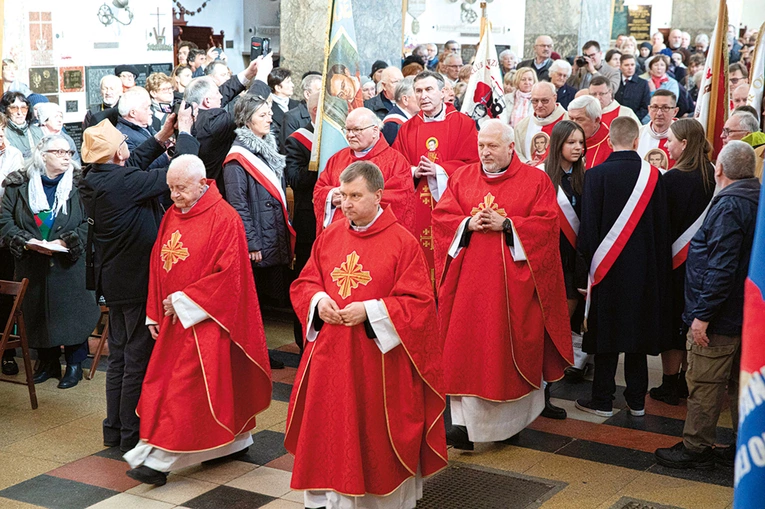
x=488, y=203
x=349, y=275
x=173, y=252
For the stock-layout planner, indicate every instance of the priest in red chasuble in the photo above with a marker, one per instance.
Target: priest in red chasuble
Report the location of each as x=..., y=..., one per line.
x=362, y=130
x=585, y=111
x=209, y=374
x=435, y=142
x=365, y=419
x=502, y=299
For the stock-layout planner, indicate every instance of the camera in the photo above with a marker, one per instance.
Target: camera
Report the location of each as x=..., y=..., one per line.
x=259, y=46
x=580, y=62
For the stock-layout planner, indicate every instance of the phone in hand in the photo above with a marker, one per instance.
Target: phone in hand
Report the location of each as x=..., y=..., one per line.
x=259, y=46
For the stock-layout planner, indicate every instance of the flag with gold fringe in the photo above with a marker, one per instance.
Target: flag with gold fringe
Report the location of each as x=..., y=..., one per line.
x=757, y=74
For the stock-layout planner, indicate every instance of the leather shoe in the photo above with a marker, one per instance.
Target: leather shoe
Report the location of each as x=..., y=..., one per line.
x=457, y=437
x=72, y=376
x=147, y=475
x=10, y=367
x=551, y=411
x=47, y=370
x=275, y=364
x=678, y=456
x=725, y=456
x=573, y=374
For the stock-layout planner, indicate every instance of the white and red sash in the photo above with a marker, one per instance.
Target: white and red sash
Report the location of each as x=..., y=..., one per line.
x=569, y=221
x=304, y=136
x=682, y=243
x=612, y=245
x=396, y=118
x=266, y=177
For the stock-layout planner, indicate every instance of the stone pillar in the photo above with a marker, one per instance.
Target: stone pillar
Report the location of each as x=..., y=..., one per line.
x=559, y=20
x=695, y=17
x=595, y=23
x=304, y=25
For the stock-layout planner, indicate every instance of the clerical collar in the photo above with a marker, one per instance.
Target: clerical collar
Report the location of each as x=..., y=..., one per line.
x=366, y=227
x=497, y=174
x=183, y=211
x=364, y=152
x=282, y=102
x=438, y=117
x=654, y=134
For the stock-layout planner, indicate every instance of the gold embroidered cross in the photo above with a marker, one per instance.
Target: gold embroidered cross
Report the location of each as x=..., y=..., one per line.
x=173, y=252
x=488, y=203
x=349, y=275
x=426, y=196
x=426, y=238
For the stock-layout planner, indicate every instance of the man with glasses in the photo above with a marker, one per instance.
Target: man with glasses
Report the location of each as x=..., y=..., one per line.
x=547, y=113
x=542, y=60
x=662, y=111
x=742, y=125
x=737, y=75
x=451, y=68
x=600, y=89
x=137, y=121
x=362, y=130
x=591, y=64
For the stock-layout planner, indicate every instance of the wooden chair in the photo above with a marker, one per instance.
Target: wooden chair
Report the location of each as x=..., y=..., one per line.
x=10, y=340
x=102, y=338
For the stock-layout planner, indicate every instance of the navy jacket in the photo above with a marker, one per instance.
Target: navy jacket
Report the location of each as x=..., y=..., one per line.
x=566, y=94
x=718, y=259
x=136, y=135
x=378, y=105
x=635, y=94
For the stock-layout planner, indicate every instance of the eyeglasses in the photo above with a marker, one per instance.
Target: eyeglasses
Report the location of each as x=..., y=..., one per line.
x=453, y=66
x=663, y=109
x=124, y=140
x=727, y=132
x=733, y=81
x=356, y=131
x=165, y=89
x=16, y=108
x=541, y=101
x=59, y=152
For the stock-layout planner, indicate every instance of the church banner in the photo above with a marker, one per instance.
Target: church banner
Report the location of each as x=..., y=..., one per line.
x=484, y=96
x=757, y=75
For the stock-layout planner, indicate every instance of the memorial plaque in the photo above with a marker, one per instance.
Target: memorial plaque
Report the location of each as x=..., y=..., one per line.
x=639, y=22
x=72, y=79
x=74, y=129
x=165, y=68
x=72, y=106
x=43, y=80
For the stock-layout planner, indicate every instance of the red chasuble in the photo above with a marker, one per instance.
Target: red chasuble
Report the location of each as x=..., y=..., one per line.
x=360, y=421
x=450, y=143
x=205, y=384
x=598, y=149
x=497, y=314
x=397, y=175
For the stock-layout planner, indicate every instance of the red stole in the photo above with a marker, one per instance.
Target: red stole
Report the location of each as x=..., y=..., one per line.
x=258, y=170
x=598, y=149
x=609, y=116
x=205, y=384
x=368, y=419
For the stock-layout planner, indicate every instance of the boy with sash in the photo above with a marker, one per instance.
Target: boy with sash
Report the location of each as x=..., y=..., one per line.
x=625, y=240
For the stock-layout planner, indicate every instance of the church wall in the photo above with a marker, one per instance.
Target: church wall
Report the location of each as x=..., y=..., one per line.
x=226, y=15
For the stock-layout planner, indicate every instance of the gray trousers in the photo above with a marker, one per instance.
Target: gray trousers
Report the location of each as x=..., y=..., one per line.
x=130, y=347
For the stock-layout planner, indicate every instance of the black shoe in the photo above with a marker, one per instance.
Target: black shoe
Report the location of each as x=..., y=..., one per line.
x=678, y=456
x=127, y=445
x=586, y=405
x=111, y=443
x=147, y=475
x=457, y=437
x=513, y=440
x=47, y=370
x=275, y=364
x=682, y=385
x=228, y=457
x=573, y=374
x=725, y=456
x=551, y=411
x=10, y=367
x=72, y=376
x=667, y=391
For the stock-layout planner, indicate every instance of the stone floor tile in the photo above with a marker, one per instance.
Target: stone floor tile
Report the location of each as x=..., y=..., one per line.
x=268, y=481
x=283, y=504
x=217, y=474
x=128, y=501
x=56, y=493
x=98, y=471
x=226, y=497
x=178, y=490
x=20, y=468
x=63, y=444
x=679, y=492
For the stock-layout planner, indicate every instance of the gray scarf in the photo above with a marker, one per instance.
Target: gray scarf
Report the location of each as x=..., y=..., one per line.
x=264, y=147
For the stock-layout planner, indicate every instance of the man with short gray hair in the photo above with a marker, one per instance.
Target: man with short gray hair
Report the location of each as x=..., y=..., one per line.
x=716, y=271
x=547, y=113
x=543, y=47
x=586, y=112
x=742, y=125
x=406, y=106
x=135, y=121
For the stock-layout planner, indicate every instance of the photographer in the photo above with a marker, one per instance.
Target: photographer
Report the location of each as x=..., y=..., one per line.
x=590, y=64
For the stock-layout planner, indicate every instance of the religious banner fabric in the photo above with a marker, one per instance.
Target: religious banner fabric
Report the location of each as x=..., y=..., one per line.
x=757, y=74
x=484, y=96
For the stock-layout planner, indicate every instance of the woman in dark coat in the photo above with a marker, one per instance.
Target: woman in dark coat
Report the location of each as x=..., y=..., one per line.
x=253, y=174
x=44, y=223
x=690, y=184
x=20, y=133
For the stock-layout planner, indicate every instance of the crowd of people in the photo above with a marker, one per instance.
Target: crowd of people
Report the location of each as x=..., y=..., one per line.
x=431, y=256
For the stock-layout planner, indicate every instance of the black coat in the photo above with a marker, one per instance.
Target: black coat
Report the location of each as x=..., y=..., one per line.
x=137, y=135
x=126, y=216
x=302, y=182
x=543, y=74
x=57, y=308
x=635, y=95
x=378, y=105
x=566, y=94
x=390, y=129
x=718, y=259
x=261, y=213
x=294, y=119
x=630, y=308
x=277, y=121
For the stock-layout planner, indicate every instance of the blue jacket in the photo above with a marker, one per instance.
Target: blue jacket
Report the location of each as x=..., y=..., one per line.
x=718, y=259
x=566, y=94
x=635, y=94
x=137, y=135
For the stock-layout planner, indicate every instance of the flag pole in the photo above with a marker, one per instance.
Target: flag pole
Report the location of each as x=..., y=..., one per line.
x=714, y=97
x=313, y=164
x=484, y=20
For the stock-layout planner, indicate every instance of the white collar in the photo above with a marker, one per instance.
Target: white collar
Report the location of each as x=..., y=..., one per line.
x=441, y=115
x=184, y=211
x=366, y=227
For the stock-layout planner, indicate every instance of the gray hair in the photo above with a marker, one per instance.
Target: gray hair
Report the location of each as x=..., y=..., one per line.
x=308, y=81
x=131, y=100
x=507, y=52
x=737, y=160
x=430, y=74
x=212, y=65
x=198, y=89
x=508, y=136
x=46, y=111
x=189, y=164
x=404, y=88
x=367, y=170
x=36, y=163
x=702, y=38
x=246, y=106
x=747, y=121
x=560, y=65
x=589, y=104
x=110, y=77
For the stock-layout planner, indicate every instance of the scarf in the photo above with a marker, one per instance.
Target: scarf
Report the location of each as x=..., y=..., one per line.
x=658, y=81
x=38, y=202
x=521, y=107
x=264, y=147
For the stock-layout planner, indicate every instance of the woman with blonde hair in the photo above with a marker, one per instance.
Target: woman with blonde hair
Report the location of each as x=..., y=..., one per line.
x=518, y=103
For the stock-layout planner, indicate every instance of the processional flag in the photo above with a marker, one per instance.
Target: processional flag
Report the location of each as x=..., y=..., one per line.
x=484, y=96
x=757, y=76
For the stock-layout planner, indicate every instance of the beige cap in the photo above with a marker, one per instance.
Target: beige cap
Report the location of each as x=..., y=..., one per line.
x=101, y=142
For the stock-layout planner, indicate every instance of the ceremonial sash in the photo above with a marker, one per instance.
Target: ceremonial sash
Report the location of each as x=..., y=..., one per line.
x=304, y=136
x=395, y=118
x=569, y=221
x=266, y=177
x=682, y=243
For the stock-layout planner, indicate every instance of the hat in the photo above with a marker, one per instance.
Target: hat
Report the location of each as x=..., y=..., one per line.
x=101, y=142
x=646, y=45
x=126, y=68
x=379, y=64
x=36, y=99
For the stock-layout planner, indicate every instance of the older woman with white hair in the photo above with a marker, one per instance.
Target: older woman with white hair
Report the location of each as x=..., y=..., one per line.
x=560, y=72
x=50, y=116
x=44, y=223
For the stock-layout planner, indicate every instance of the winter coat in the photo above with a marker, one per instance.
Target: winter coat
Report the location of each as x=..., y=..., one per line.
x=137, y=135
x=23, y=138
x=57, y=308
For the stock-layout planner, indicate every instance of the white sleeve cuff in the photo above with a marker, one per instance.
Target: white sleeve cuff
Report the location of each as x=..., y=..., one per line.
x=149, y=321
x=329, y=209
x=387, y=338
x=519, y=254
x=242, y=78
x=455, y=248
x=311, y=333
x=188, y=312
x=438, y=183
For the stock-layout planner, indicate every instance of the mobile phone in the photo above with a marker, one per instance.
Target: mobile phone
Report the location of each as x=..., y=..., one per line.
x=259, y=46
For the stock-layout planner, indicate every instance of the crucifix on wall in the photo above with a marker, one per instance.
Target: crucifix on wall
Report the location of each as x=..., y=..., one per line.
x=159, y=36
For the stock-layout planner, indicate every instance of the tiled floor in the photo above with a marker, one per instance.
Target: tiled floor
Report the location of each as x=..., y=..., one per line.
x=53, y=457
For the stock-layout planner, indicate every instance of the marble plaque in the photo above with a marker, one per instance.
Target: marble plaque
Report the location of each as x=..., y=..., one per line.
x=43, y=80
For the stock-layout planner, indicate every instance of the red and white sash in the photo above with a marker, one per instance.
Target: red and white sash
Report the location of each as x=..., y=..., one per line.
x=612, y=245
x=569, y=221
x=266, y=177
x=304, y=136
x=396, y=118
x=682, y=243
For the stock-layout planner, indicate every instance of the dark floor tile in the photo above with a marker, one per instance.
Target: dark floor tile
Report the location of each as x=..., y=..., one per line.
x=282, y=392
x=266, y=446
x=541, y=441
x=230, y=498
x=288, y=358
x=722, y=476
x=663, y=425
x=570, y=391
x=608, y=454
x=113, y=453
x=56, y=493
